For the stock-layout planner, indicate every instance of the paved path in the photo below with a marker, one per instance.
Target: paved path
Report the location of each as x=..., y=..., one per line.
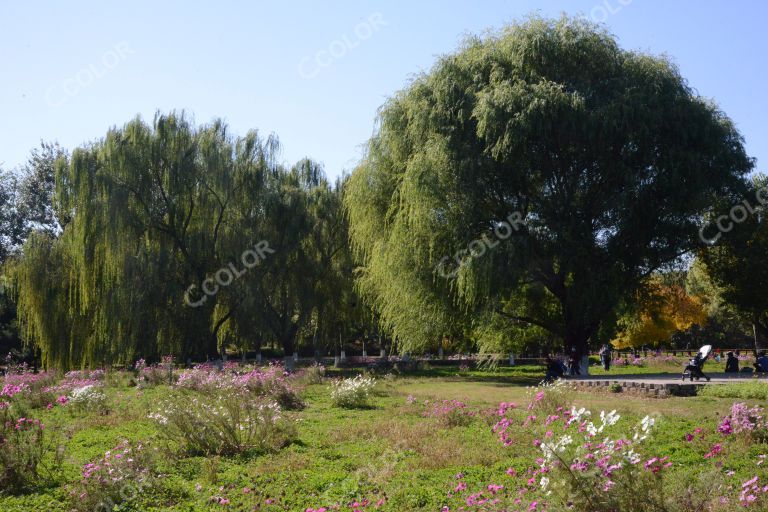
x=660, y=385
x=671, y=378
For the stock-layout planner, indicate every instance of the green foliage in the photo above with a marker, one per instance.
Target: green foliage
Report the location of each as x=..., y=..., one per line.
x=116, y=479
x=24, y=443
x=390, y=452
x=11, y=221
x=608, y=157
x=757, y=390
x=153, y=211
x=353, y=393
x=736, y=263
x=223, y=424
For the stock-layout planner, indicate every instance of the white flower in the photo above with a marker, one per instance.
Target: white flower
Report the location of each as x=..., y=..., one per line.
x=544, y=482
x=632, y=456
x=577, y=414
x=647, y=423
x=88, y=396
x=609, y=419
x=353, y=392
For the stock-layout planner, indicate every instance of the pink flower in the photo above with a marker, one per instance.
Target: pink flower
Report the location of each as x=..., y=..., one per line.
x=749, y=482
x=717, y=448
x=725, y=427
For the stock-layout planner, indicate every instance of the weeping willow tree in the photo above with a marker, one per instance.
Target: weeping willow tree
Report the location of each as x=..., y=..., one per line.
x=154, y=210
x=606, y=157
x=179, y=240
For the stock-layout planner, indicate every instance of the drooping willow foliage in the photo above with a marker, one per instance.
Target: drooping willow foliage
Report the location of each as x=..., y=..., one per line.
x=607, y=155
x=155, y=212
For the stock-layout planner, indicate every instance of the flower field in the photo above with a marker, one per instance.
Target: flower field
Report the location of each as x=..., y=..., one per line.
x=259, y=438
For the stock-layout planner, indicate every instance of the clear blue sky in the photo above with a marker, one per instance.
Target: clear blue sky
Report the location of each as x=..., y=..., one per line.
x=309, y=71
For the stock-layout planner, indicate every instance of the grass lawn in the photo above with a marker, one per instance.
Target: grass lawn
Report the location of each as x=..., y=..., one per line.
x=393, y=453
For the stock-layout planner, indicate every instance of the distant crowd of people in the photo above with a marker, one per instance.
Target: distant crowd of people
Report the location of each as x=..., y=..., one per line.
x=732, y=363
x=556, y=368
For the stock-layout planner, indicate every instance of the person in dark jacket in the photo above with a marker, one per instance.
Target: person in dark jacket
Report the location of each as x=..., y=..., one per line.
x=555, y=369
x=761, y=366
x=605, y=356
x=731, y=363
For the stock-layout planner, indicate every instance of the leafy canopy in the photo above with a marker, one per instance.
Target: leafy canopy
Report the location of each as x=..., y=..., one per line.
x=608, y=156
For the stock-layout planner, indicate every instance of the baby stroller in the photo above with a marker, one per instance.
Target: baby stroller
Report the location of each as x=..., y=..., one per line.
x=694, y=366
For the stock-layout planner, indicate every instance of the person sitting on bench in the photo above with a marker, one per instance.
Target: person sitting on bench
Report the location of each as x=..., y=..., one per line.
x=761, y=366
x=555, y=369
x=731, y=363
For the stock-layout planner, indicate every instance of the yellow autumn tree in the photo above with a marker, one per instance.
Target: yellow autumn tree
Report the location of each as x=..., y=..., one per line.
x=663, y=310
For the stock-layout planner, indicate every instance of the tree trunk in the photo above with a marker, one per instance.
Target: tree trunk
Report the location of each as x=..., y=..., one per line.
x=212, y=347
x=577, y=345
x=288, y=343
x=760, y=332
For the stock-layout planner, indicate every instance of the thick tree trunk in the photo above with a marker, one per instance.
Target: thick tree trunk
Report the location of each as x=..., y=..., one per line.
x=761, y=335
x=577, y=344
x=212, y=347
x=288, y=342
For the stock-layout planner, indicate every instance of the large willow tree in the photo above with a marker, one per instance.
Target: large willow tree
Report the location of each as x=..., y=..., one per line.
x=607, y=156
x=155, y=211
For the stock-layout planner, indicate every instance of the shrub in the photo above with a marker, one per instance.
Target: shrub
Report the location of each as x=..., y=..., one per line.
x=451, y=413
x=351, y=393
x=119, y=379
x=156, y=374
x=28, y=390
x=311, y=375
x=549, y=398
x=615, y=388
x=270, y=383
x=223, y=423
x=115, y=479
x=23, y=445
x=602, y=472
x=88, y=398
x=745, y=420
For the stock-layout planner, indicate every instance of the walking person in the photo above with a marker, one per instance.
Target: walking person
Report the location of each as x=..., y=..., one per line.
x=605, y=356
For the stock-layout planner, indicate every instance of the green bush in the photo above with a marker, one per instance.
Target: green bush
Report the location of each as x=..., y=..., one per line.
x=114, y=480
x=88, y=399
x=223, y=423
x=757, y=390
x=353, y=393
x=24, y=443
